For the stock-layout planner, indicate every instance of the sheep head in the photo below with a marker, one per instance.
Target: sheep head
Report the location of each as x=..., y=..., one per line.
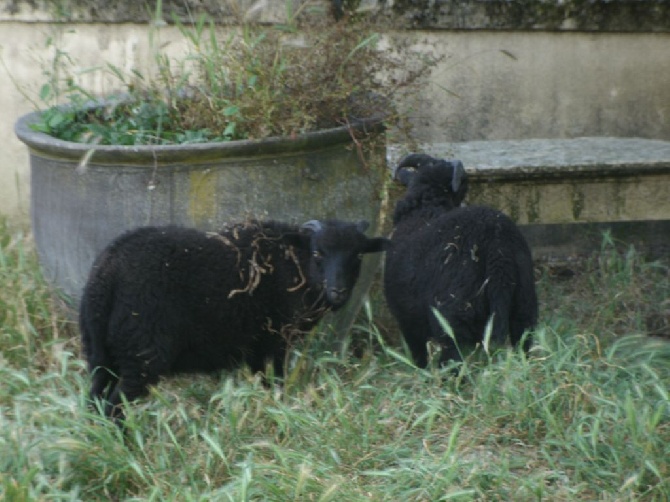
x=421, y=172
x=336, y=250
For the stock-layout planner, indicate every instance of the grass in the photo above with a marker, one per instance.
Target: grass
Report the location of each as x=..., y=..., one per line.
x=587, y=417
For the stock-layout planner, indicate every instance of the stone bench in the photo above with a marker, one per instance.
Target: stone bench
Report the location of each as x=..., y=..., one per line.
x=565, y=192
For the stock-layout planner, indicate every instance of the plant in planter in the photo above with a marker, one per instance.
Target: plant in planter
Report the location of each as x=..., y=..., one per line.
x=284, y=121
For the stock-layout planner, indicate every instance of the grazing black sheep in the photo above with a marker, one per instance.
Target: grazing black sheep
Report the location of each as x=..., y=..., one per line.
x=163, y=300
x=468, y=263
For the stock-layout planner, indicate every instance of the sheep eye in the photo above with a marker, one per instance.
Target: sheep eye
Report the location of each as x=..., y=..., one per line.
x=316, y=254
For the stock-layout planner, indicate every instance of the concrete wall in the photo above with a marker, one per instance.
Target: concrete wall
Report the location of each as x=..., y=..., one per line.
x=515, y=85
x=510, y=69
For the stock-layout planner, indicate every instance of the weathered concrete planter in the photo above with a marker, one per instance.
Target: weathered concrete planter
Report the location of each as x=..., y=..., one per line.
x=74, y=215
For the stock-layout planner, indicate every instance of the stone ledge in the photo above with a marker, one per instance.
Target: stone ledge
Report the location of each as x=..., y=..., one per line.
x=547, y=159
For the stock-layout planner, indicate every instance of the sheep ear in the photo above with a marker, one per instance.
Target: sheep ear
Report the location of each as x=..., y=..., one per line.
x=362, y=226
x=458, y=176
x=312, y=226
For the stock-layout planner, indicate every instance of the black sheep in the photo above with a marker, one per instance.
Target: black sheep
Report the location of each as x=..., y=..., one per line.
x=468, y=263
x=163, y=300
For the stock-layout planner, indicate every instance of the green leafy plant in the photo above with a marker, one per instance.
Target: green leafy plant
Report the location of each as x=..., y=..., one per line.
x=251, y=82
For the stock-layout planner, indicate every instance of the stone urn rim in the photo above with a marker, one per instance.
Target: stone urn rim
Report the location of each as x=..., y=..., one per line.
x=104, y=154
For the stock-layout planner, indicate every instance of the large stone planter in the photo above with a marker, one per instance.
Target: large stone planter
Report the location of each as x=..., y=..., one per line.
x=77, y=211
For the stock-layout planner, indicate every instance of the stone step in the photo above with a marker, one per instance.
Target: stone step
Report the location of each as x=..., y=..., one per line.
x=565, y=192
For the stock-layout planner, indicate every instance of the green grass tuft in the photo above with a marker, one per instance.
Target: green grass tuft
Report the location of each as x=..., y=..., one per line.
x=585, y=417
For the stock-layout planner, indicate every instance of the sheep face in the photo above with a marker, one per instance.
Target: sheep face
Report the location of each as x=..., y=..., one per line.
x=336, y=251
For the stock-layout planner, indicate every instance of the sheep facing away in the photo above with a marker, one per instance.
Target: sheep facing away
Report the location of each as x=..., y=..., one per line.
x=468, y=263
x=162, y=300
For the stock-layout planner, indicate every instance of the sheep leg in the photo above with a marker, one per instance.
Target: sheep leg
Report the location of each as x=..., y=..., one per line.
x=415, y=334
x=524, y=314
x=130, y=389
x=517, y=329
x=278, y=362
x=269, y=347
x=419, y=352
x=500, y=299
x=500, y=327
x=135, y=377
x=103, y=383
x=449, y=353
x=459, y=329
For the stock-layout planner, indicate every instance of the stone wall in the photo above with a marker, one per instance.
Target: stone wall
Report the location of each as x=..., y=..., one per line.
x=510, y=69
x=646, y=16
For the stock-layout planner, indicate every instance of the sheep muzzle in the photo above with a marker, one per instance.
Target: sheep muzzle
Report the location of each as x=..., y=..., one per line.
x=337, y=297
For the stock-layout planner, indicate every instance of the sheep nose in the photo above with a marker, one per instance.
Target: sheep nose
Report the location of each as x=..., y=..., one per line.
x=337, y=296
